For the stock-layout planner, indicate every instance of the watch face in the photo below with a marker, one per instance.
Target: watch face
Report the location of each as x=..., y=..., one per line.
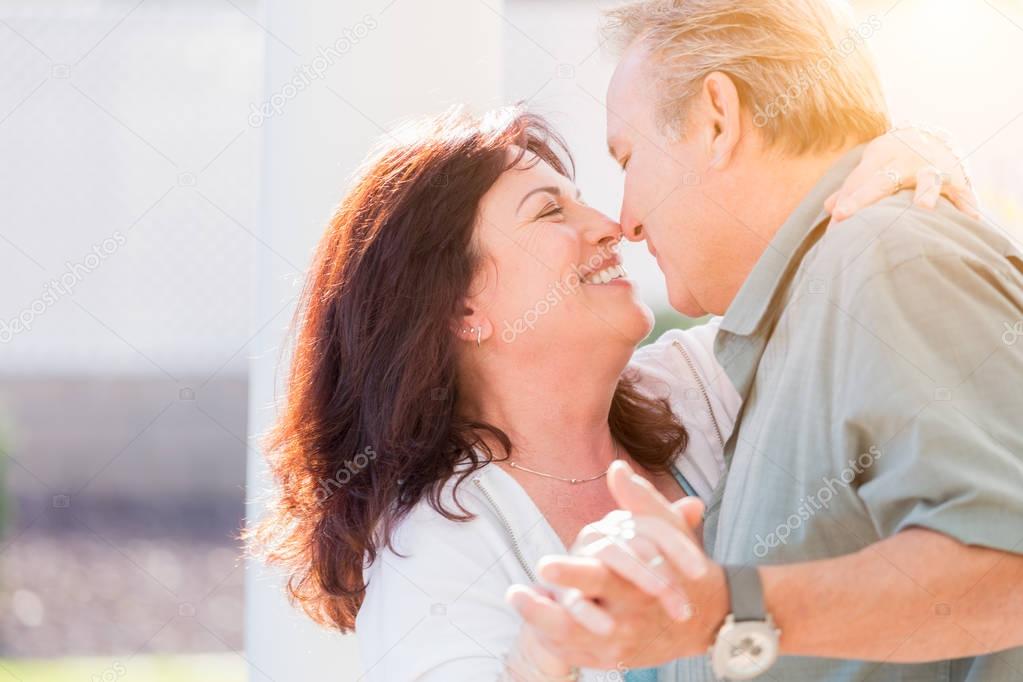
x=745, y=650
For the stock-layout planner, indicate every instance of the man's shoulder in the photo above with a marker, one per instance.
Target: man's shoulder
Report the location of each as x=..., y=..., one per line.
x=894, y=232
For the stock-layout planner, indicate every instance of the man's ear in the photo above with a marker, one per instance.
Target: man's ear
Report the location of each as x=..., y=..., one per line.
x=722, y=114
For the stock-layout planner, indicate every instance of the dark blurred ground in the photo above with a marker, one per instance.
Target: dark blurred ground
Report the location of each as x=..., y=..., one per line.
x=121, y=579
x=124, y=499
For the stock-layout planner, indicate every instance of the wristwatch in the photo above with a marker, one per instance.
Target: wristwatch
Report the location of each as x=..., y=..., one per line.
x=747, y=644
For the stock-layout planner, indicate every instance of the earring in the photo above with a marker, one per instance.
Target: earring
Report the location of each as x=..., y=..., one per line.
x=479, y=333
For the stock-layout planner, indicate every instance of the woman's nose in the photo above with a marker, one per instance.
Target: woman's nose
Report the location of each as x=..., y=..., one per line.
x=605, y=229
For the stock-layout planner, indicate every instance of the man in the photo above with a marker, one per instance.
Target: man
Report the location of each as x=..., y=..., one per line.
x=872, y=508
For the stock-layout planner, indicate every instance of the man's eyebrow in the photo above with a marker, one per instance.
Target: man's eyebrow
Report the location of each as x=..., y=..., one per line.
x=556, y=191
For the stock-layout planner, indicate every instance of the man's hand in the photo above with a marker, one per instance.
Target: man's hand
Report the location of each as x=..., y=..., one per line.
x=641, y=591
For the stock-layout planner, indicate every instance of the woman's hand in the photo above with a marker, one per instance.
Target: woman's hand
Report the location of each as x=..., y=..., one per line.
x=643, y=571
x=906, y=158
x=646, y=550
x=530, y=661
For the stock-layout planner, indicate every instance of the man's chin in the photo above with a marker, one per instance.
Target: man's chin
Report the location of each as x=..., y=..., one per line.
x=684, y=303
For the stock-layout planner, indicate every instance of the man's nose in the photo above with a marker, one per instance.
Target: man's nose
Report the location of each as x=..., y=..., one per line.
x=632, y=229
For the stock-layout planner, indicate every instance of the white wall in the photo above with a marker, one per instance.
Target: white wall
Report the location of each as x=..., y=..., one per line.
x=122, y=129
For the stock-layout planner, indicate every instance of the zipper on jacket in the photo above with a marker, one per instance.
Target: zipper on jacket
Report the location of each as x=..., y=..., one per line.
x=703, y=390
x=516, y=549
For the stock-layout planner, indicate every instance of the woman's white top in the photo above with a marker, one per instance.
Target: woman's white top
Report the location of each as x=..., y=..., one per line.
x=435, y=610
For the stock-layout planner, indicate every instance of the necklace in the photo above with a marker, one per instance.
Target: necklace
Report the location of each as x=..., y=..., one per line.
x=573, y=481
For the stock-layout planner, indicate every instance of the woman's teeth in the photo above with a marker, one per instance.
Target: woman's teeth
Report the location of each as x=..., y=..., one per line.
x=606, y=275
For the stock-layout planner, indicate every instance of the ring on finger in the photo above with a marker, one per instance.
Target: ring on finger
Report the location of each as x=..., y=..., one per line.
x=625, y=529
x=572, y=599
x=656, y=562
x=896, y=179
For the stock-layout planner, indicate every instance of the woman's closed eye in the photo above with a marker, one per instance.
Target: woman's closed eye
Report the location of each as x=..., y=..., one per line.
x=550, y=210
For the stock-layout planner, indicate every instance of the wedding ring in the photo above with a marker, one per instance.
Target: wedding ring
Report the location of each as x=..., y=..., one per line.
x=656, y=562
x=626, y=530
x=572, y=599
x=896, y=179
x=623, y=528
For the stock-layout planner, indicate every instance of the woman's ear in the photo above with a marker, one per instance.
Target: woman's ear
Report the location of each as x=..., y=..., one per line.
x=472, y=325
x=722, y=118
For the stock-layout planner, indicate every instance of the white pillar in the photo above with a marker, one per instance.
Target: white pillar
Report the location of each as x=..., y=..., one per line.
x=337, y=74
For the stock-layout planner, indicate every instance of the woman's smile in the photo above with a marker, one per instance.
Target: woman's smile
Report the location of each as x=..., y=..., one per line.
x=607, y=274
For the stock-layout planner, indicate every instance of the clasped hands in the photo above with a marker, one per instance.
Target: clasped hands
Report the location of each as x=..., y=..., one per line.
x=637, y=590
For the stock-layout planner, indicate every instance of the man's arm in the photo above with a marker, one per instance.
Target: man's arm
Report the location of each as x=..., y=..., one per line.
x=927, y=597
x=914, y=597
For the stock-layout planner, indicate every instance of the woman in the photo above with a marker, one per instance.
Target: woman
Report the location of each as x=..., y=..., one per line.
x=458, y=390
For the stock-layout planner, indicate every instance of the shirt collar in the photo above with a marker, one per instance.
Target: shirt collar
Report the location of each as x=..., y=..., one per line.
x=785, y=250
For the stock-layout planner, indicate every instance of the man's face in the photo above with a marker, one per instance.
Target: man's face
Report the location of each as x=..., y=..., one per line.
x=669, y=200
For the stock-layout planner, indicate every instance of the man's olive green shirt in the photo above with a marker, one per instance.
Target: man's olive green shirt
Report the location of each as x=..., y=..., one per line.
x=881, y=362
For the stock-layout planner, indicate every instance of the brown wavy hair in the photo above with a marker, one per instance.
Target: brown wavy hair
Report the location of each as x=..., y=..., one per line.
x=369, y=426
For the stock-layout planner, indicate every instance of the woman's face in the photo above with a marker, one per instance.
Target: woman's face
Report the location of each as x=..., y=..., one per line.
x=552, y=273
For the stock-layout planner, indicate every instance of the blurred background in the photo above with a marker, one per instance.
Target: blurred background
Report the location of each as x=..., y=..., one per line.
x=165, y=169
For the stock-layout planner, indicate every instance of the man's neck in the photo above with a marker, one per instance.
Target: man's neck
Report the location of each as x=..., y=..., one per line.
x=771, y=190
x=786, y=182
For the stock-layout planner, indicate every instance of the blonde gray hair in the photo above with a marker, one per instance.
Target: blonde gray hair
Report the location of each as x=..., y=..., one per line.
x=801, y=67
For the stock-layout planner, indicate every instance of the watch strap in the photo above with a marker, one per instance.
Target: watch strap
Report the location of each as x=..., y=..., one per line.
x=745, y=593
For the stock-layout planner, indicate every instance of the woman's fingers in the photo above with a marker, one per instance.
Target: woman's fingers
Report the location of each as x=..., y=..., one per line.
x=690, y=509
x=965, y=199
x=639, y=558
x=611, y=572
x=932, y=184
x=870, y=192
x=677, y=547
x=929, y=184
x=638, y=561
x=586, y=574
x=636, y=494
x=913, y=158
x=538, y=610
x=588, y=614
x=629, y=562
x=829, y=203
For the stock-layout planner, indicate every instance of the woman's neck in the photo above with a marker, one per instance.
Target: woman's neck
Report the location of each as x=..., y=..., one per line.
x=557, y=420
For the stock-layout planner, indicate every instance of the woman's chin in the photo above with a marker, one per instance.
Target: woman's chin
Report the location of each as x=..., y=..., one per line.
x=634, y=322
